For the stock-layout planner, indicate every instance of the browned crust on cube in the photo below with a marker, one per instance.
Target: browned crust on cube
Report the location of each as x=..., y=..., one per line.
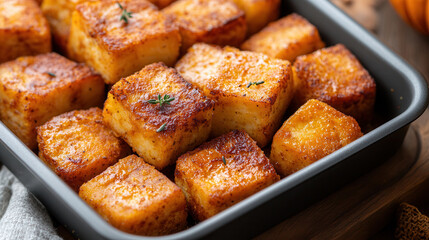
x=227, y=65
x=134, y=197
x=333, y=75
x=59, y=15
x=162, y=3
x=202, y=165
x=30, y=87
x=218, y=22
x=31, y=75
x=259, y=13
x=24, y=30
x=287, y=47
x=224, y=74
x=102, y=19
x=30, y=16
x=77, y=146
x=311, y=133
x=188, y=100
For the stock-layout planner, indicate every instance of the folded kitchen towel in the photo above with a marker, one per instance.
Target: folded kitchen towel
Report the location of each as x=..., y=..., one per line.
x=21, y=215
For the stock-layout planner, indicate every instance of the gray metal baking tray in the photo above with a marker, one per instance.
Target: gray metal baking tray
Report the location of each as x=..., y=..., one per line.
x=257, y=213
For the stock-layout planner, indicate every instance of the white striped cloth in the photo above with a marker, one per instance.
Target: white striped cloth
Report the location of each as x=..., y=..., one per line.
x=22, y=216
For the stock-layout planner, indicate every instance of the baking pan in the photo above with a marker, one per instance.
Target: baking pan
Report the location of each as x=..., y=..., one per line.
x=401, y=98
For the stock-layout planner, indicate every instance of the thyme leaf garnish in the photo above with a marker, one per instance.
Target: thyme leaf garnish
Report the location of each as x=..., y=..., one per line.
x=254, y=83
x=166, y=99
x=125, y=14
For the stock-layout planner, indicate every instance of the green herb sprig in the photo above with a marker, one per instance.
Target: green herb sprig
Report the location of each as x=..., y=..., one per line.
x=125, y=14
x=223, y=160
x=162, y=128
x=254, y=83
x=161, y=100
x=51, y=74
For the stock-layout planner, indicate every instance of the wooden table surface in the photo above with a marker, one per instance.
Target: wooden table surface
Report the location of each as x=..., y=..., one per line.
x=366, y=208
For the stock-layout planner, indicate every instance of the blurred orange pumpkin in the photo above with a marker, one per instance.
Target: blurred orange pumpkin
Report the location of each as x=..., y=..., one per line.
x=414, y=12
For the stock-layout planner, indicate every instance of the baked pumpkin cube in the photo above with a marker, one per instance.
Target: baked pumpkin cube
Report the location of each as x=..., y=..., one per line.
x=333, y=75
x=120, y=38
x=134, y=197
x=218, y=22
x=259, y=13
x=77, y=146
x=24, y=30
x=222, y=172
x=311, y=133
x=35, y=89
x=286, y=38
x=158, y=114
x=59, y=15
x=252, y=90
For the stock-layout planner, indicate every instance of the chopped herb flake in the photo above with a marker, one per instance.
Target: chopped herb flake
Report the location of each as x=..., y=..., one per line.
x=254, y=83
x=162, y=128
x=51, y=74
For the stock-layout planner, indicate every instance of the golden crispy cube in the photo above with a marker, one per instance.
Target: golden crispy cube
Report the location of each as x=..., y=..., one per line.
x=222, y=172
x=259, y=13
x=286, y=38
x=115, y=48
x=59, y=15
x=333, y=75
x=311, y=133
x=159, y=134
x=218, y=22
x=34, y=89
x=225, y=75
x=24, y=30
x=136, y=198
x=77, y=146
